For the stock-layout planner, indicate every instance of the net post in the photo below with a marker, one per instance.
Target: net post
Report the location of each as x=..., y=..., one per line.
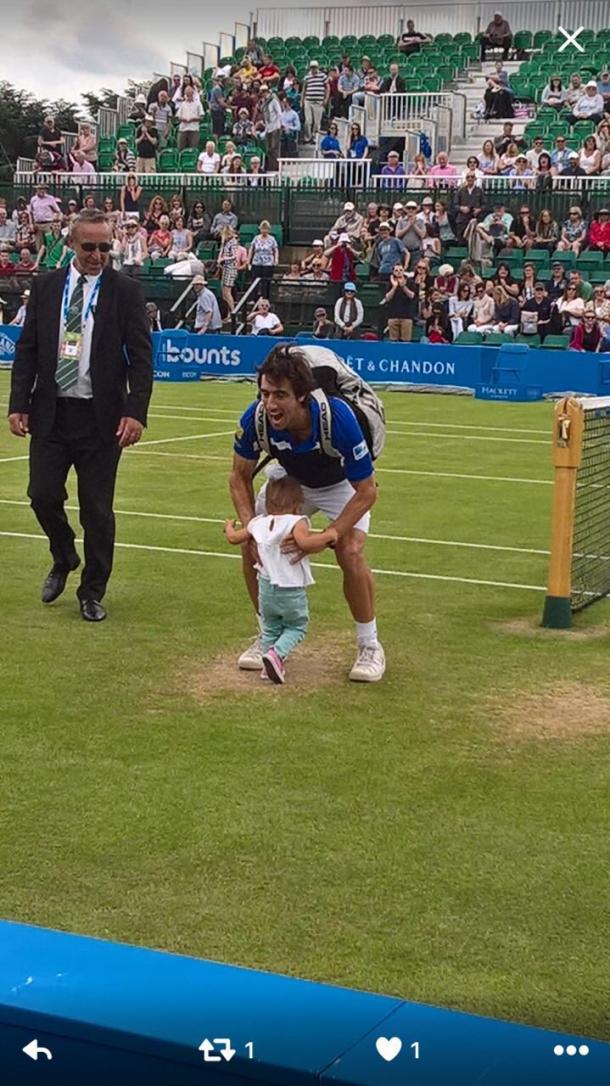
x=568, y=426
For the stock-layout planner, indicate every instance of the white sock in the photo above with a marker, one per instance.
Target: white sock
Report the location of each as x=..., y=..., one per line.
x=366, y=633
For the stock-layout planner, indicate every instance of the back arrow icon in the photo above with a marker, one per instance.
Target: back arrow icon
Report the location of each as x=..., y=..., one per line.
x=34, y=1050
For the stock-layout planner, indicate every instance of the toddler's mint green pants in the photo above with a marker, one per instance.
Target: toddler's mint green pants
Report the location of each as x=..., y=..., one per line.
x=285, y=616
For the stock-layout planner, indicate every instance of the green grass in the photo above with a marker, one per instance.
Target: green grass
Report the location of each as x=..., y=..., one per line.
x=403, y=838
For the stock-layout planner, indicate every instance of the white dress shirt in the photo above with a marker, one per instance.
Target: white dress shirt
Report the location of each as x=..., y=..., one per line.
x=82, y=390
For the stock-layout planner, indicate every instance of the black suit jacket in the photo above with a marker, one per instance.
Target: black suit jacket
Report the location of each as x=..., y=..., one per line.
x=121, y=354
x=387, y=83
x=473, y=200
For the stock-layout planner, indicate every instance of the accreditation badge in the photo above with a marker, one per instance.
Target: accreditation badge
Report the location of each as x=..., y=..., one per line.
x=71, y=347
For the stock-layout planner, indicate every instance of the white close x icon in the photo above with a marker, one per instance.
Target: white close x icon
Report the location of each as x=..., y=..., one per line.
x=571, y=39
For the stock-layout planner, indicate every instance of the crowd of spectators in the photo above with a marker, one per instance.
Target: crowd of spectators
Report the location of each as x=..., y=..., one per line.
x=400, y=245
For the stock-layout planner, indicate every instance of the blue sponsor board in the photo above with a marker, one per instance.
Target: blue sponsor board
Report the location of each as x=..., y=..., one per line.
x=183, y=356
x=381, y=362
x=509, y=393
x=9, y=335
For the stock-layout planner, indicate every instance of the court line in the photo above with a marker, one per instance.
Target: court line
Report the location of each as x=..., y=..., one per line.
x=461, y=475
x=10, y=459
x=391, y=471
x=393, y=422
x=372, y=535
x=388, y=471
x=189, y=437
x=318, y=565
x=394, y=433
x=414, y=471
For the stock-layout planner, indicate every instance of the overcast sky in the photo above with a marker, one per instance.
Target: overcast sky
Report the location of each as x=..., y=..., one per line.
x=58, y=48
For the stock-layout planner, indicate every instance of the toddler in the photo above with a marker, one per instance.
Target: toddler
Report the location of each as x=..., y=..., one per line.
x=282, y=581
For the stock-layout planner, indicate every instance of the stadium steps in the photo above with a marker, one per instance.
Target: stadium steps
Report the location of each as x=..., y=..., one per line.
x=473, y=84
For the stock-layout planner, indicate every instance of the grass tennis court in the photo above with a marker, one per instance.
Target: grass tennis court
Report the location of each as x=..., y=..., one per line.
x=442, y=836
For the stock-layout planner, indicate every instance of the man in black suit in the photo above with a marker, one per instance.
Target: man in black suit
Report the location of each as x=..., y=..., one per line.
x=81, y=384
x=394, y=82
x=470, y=200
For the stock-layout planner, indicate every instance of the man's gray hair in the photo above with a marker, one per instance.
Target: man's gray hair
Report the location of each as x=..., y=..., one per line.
x=89, y=216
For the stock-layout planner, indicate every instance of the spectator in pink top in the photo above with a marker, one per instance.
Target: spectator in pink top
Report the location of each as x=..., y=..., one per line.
x=443, y=169
x=43, y=209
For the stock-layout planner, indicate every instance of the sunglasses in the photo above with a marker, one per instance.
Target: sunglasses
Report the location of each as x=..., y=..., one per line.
x=91, y=246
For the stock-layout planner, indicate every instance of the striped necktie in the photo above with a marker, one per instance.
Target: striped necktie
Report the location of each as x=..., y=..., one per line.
x=68, y=368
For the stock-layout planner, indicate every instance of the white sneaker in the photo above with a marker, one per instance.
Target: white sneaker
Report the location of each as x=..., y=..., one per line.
x=252, y=658
x=369, y=666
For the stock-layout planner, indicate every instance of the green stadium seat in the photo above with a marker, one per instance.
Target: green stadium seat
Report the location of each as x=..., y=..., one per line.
x=468, y=339
x=463, y=38
x=542, y=36
x=188, y=160
x=523, y=40
x=590, y=259
x=363, y=271
x=167, y=161
x=496, y=339
x=555, y=343
x=456, y=253
x=598, y=276
x=567, y=259
x=529, y=341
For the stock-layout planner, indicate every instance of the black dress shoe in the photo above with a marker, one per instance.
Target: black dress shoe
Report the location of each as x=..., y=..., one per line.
x=56, y=581
x=92, y=611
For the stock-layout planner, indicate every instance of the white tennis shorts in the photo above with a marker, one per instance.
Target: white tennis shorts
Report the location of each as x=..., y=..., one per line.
x=330, y=500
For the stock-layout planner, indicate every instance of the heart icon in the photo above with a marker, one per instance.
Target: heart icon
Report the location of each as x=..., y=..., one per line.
x=388, y=1047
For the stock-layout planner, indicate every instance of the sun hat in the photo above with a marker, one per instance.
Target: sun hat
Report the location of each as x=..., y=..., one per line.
x=349, y=206
x=591, y=83
x=445, y=269
x=343, y=237
x=314, y=63
x=410, y=203
x=318, y=241
x=320, y=311
x=199, y=280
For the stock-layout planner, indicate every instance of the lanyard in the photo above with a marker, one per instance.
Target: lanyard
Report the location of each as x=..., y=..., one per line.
x=91, y=302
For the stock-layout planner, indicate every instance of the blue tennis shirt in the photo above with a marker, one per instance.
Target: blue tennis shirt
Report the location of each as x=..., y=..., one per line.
x=305, y=460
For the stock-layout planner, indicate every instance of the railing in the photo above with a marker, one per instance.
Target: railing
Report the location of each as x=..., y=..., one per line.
x=124, y=107
x=194, y=63
x=390, y=114
x=340, y=174
x=343, y=172
x=108, y=122
x=217, y=181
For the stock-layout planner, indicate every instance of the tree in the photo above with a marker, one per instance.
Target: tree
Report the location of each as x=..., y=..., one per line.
x=22, y=116
x=102, y=99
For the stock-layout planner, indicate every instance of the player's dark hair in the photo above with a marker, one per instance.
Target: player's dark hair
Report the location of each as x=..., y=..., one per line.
x=283, y=495
x=288, y=363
